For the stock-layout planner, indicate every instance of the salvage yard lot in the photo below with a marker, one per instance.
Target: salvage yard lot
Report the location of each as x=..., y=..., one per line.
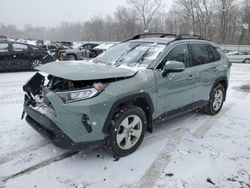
x=194, y=150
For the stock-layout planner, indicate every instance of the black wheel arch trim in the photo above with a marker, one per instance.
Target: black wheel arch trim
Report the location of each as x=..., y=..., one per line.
x=131, y=99
x=217, y=81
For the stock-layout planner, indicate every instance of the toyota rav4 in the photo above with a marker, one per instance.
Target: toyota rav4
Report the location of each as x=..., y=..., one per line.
x=116, y=97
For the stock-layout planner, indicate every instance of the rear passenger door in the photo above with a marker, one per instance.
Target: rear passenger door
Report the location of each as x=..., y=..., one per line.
x=5, y=57
x=206, y=62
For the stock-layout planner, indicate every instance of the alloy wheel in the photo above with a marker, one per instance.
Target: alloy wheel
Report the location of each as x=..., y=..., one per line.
x=218, y=99
x=129, y=132
x=36, y=63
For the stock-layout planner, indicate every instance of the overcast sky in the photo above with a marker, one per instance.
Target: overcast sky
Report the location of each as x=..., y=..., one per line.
x=53, y=12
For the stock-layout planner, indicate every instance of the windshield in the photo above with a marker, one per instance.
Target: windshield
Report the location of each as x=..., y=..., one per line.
x=131, y=54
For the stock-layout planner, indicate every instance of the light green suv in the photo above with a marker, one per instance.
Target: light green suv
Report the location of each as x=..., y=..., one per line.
x=136, y=84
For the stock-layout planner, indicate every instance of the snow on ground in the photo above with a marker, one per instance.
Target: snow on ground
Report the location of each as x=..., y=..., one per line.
x=194, y=150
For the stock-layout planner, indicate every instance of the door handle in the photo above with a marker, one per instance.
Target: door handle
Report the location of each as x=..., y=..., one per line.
x=214, y=69
x=190, y=77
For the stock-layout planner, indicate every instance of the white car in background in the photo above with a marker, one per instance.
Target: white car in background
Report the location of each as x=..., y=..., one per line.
x=239, y=57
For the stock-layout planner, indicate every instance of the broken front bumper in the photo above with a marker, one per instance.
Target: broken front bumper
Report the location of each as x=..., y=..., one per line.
x=69, y=125
x=44, y=126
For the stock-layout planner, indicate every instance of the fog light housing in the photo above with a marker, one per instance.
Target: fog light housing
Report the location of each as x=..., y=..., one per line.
x=87, y=123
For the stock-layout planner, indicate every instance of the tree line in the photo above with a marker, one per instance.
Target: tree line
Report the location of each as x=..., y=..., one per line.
x=222, y=21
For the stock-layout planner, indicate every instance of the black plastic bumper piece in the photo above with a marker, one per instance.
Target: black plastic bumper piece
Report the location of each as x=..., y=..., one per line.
x=51, y=131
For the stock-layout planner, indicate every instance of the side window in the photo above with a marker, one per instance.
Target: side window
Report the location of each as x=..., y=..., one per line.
x=19, y=47
x=93, y=45
x=4, y=47
x=87, y=47
x=200, y=54
x=179, y=53
x=213, y=54
x=35, y=48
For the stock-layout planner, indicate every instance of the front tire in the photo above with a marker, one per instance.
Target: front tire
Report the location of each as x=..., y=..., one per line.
x=217, y=98
x=127, y=131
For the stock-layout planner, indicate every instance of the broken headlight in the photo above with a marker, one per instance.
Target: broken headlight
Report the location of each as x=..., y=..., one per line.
x=77, y=95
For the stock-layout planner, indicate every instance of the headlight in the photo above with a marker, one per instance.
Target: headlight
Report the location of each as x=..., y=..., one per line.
x=77, y=95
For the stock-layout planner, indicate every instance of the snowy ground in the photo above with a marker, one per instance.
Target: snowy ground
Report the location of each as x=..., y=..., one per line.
x=194, y=150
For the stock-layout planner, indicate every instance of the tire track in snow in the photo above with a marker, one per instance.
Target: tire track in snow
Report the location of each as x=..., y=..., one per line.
x=211, y=121
x=3, y=180
x=171, y=137
x=10, y=156
x=161, y=161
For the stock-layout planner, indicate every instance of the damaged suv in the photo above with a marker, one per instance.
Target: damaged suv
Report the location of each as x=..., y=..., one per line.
x=121, y=94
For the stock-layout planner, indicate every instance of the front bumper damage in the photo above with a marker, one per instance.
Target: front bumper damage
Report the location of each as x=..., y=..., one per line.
x=48, y=129
x=65, y=124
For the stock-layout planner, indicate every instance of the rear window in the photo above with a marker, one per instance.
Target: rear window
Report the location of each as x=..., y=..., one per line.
x=34, y=48
x=4, y=47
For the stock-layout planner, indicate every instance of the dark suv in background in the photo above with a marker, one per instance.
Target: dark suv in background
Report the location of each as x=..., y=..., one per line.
x=16, y=56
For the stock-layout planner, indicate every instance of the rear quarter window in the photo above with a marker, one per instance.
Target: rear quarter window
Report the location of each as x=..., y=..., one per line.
x=214, y=55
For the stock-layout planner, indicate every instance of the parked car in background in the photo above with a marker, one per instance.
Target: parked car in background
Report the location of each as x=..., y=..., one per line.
x=2, y=38
x=239, y=57
x=121, y=94
x=226, y=51
x=77, y=52
x=92, y=53
x=16, y=56
x=65, y=43
x=54, y=49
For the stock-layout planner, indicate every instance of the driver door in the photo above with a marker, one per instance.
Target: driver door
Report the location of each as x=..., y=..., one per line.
x=21, y=57
x=175, y=90
x=5, y=57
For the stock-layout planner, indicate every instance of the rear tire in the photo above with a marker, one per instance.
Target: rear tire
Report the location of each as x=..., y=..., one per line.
x=36, y=63
x=71, y=57
x=126, y=131
x=217, y=98
x=246, y=61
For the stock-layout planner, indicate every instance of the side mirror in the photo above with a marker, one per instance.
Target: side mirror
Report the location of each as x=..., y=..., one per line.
x=173, y=66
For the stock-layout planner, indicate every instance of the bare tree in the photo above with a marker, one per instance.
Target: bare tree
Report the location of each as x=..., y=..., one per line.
x=189, y=10
x=126, y=23
x=205, y=9
x=146, y=10
x=245, y=29
x=224, y=8
x=223, y=21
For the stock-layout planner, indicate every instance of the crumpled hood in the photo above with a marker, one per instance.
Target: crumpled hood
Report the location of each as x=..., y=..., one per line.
x=84, y=70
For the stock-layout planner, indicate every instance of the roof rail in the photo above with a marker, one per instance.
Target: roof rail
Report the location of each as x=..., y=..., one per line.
x=148, y=35
x=162, y=35
x=188, y=36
